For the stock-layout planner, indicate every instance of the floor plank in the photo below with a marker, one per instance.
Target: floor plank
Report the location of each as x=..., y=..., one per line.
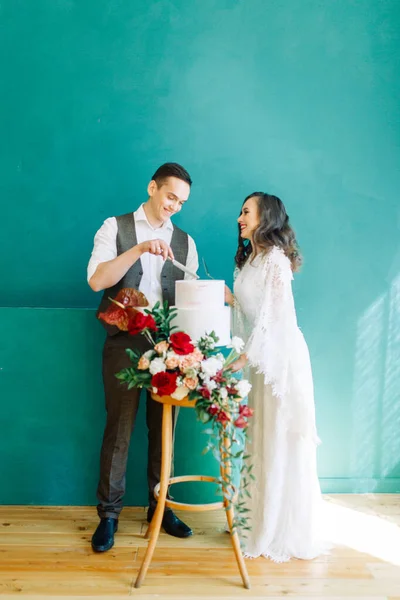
x=45, y=552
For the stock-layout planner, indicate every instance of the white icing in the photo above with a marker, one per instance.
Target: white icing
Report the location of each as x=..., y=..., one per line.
x=199, y=293
x=201, y=309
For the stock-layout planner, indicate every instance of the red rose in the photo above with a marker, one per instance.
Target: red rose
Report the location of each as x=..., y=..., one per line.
x=219, y=377
x=181, y=343
x=213, y=409
x=150, y=323
x=205, y=393
x=164, y=382
x=139, y=322
x=245, y=411
x=222, y=417
x=231, y=390
x=241, y=422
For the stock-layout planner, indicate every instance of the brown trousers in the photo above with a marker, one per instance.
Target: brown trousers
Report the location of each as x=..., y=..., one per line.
x=122, y=406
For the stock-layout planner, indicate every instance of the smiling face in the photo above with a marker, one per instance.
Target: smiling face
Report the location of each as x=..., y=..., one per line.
x=167, y=199
x=249, y=218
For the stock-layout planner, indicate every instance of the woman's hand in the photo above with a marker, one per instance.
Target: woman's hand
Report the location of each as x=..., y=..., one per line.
x=239, y=364
x=157, y=247
x=229, y=297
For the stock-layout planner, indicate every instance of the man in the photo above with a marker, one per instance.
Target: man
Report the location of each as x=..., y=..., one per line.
x=132, y=251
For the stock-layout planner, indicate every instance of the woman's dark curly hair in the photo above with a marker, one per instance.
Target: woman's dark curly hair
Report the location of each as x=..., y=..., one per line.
x=274, y=230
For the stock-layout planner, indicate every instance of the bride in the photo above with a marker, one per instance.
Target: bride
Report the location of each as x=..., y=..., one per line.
x=285, y=497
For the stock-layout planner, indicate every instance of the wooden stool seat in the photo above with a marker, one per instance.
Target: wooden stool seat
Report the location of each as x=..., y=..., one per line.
x=161, y=489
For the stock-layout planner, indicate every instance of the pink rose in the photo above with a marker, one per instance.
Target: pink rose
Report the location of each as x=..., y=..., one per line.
x=186, y=362
x=161, y=347
x=197, y=355
x=196, y=364
x=245, y=411
x=143, y=363
x=171, y=362
x=191, y=382
x=241, y=422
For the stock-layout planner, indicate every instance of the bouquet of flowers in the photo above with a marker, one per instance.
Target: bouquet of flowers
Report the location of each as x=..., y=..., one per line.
x=176, y=366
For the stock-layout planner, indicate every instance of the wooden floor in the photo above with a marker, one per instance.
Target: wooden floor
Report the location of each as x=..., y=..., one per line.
x=45, y=552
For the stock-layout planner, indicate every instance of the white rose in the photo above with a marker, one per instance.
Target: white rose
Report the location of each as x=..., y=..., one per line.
x=223, y=393
x=149, y=354
x=211, y=366
x=237, y=344
x=243, y=387
x=210, y=384
x=157, y=366
x=180, y=392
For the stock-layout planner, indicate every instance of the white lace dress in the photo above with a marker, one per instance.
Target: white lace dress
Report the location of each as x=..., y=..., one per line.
x=285, y=497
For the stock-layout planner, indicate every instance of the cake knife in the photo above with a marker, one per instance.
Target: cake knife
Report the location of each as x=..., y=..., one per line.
x=182, y=267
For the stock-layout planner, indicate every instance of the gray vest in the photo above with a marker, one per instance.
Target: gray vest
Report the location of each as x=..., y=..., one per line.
x=126, y=238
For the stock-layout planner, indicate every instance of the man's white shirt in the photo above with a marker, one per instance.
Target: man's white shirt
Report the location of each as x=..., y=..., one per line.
x=105, y=249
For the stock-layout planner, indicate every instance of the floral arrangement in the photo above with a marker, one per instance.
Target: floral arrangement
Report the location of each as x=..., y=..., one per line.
x=176, y=366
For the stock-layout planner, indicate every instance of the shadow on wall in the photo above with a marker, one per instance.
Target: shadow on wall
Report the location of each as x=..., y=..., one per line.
x=375, y=411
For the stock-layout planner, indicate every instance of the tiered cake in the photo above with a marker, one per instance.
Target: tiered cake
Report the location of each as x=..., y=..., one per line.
x=201, y=309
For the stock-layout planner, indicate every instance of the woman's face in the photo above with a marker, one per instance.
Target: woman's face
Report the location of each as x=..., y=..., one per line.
x=249, y=219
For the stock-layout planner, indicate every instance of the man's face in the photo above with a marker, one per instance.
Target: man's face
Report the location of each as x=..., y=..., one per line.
x=168, y=199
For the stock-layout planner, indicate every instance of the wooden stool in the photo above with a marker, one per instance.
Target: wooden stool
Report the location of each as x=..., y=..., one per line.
x=161, y=489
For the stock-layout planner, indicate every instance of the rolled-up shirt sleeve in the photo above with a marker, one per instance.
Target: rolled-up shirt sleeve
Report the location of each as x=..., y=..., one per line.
x=105, y=245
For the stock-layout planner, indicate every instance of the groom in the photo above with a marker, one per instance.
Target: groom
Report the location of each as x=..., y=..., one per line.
x=131, y=251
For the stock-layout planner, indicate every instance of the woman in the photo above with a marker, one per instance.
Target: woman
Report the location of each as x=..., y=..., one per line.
x=285, y=496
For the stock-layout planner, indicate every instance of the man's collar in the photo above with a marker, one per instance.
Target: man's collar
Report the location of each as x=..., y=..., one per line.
x=140, y=215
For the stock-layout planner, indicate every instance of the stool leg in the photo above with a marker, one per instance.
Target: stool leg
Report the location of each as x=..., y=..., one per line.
x=156, y=521
x=225, y=472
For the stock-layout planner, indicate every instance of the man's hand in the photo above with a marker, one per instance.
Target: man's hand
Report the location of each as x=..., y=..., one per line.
x=110, y=272
x=229, y=297
x=157, y=247
x=239, y=364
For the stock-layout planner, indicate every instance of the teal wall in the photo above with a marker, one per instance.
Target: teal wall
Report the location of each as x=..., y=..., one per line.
x=300, y=98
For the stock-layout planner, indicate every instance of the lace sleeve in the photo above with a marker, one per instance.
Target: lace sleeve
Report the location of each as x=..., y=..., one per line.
x=276, y=348
x=237, y=317
x=267, y=348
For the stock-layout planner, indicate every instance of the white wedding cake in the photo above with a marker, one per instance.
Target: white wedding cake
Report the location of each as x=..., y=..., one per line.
x=201, y=309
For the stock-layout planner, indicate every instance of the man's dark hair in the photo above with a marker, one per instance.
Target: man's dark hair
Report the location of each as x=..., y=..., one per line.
x=171, y=170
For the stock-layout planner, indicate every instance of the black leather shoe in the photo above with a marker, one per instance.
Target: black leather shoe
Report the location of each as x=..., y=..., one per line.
x=171, y=524
x=103, y=537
